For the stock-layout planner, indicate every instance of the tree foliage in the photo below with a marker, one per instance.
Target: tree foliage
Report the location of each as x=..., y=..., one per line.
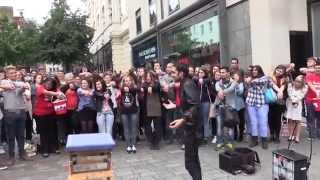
x=17, y=46
x=65, y=36
x=63, y=39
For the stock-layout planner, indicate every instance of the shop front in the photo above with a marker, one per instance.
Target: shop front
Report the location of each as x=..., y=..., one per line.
x=102, y=59
x=192, y=33
x=195, y=37
x=145, y=53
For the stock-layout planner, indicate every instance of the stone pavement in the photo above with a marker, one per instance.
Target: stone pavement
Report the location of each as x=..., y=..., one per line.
x=166, y=164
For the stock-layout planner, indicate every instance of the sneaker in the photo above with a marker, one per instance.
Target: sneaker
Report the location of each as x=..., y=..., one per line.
x=2, y=151
x=129, y=150
x=214, y=140
x=134, y=150
x=219, y=147
x=183, y=147
x=27, y=146
x=3, y=167
x=229, y=146
x=45, y=155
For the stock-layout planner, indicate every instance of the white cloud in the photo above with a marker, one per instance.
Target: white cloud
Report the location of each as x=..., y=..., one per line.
x=38, y=9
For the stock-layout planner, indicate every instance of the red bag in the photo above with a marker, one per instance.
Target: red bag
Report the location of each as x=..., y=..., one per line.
x=60, y=107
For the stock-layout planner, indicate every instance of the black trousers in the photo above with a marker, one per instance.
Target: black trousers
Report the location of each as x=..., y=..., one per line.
x=153, y=137
x=274, y=121
x=239, y=129
x=29, y=127
x=192, y=162
x=14, y=123
x=48, y=131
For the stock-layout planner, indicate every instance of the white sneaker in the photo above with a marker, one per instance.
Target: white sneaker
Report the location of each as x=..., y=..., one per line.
x=2, y=151
x=134, y=150
x=214, y=140
x=129, y=149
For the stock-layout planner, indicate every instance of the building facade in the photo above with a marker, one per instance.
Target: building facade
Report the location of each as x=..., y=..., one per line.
x=167, y=30
x=110, y=47
x=264, y=32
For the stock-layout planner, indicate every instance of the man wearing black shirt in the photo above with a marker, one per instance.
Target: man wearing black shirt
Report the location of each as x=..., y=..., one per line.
x=190, y=104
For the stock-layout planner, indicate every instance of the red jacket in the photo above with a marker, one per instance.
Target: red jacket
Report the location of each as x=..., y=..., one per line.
x=72, y=99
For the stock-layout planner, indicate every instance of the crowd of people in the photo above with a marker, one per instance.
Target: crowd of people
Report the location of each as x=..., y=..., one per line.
x=233, y=104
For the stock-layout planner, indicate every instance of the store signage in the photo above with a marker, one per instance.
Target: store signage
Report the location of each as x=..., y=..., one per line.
x=232, y=2
x=149, y=53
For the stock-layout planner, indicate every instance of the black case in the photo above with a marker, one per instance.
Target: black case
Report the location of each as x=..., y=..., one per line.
x=230, y=162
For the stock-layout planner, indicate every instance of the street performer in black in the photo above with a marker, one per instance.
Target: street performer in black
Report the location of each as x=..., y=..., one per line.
x=189, y=96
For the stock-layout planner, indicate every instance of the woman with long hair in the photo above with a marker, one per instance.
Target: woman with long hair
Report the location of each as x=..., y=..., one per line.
x=104, y=106
x=86, y=109
x=45, y=115
x=257, y=106
x=215, y=77
x=276, y=110
x=203, y=84
x=296, y=92
x=129, y=112
x=151, y=90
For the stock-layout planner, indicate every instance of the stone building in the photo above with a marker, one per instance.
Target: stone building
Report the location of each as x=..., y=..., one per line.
x=110, y=44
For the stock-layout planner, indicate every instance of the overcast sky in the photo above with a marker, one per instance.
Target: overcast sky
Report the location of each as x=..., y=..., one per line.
x=38, y=9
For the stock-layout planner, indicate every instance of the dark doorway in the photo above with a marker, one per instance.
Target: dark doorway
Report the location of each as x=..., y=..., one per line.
x=300, y=47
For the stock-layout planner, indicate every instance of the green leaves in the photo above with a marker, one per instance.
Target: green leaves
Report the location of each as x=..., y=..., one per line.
x=64, y=38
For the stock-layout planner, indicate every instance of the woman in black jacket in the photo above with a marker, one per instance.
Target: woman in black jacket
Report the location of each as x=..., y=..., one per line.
x=104, y=105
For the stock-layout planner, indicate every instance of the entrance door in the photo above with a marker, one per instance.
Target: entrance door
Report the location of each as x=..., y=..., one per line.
x=300, y=48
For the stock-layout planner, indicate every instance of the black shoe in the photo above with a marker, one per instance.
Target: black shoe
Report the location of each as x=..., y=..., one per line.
x=45, y=155
x=277, y=140
x=253, y=141
x=264, y=143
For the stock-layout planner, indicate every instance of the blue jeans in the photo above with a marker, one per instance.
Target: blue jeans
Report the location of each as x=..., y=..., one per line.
x=224, y=134
x=259, y=120
x=247, y=119
x=204, y=110
x=130, y=126
x=105, y=122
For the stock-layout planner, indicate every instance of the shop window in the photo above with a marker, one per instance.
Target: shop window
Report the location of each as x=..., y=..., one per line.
x=138, y=21
x=152, y=12
x=210, y=26
x=202, y=29
x=174, y=5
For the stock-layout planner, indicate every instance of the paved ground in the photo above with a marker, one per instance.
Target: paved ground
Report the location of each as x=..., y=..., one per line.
x=166, y=164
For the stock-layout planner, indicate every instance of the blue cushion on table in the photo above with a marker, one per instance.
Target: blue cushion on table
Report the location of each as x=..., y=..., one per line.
x=90, y=142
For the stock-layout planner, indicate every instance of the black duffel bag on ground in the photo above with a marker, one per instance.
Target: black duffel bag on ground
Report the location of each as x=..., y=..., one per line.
x=239, y=160
x=249, y=159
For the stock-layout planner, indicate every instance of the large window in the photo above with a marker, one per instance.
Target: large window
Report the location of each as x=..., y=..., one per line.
x=152, y=12
x=138, y=21
x=174, y=5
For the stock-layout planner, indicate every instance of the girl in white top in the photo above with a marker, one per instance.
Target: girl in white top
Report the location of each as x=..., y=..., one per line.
x=296, y=92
